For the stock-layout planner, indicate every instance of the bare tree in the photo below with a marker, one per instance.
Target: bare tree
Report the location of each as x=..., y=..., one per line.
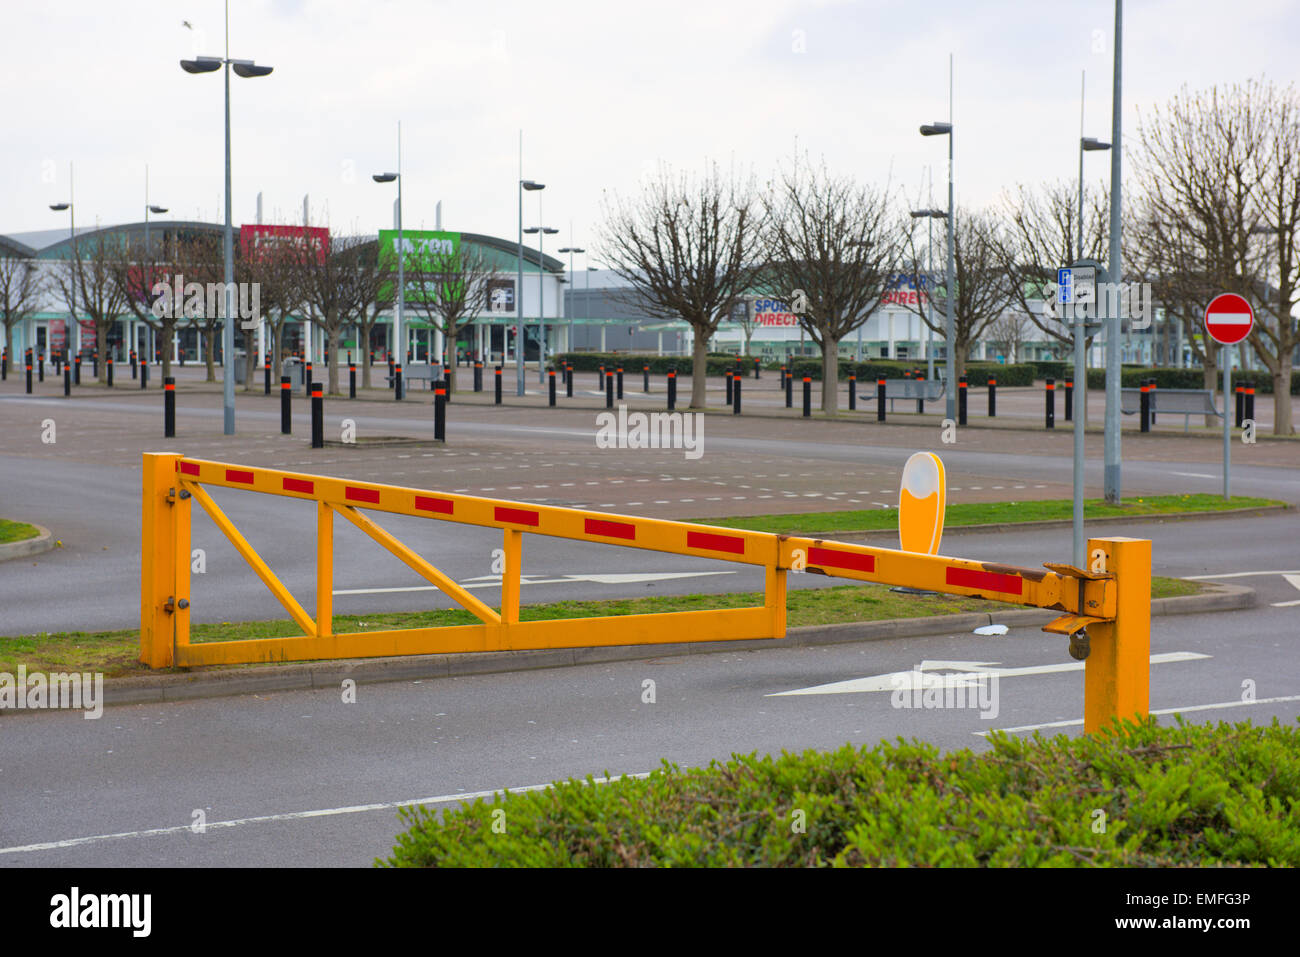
x=831, y=248
x=280, y=268
x=375, y=295
x=1012, y=329
x=89, y=274
x=447, y=285
x=1219, y=175
x=331, y=293
x=686, y=246
x=21, y=287
x=984, y=288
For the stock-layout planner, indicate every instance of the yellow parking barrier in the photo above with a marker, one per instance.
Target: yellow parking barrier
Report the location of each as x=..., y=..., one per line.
x=1096, y=604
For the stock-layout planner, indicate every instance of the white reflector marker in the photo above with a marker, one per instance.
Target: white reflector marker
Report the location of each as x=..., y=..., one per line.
x=921, y=502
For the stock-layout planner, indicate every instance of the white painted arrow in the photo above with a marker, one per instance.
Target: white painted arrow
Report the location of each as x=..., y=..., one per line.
x=1294, y=579
x=973, y=672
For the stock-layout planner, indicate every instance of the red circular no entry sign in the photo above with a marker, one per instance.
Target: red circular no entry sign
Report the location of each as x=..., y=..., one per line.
x=1228, y=318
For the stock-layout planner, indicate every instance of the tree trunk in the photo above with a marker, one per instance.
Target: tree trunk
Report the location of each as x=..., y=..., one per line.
x=331, y=353
x=830, y=375
x=363, y=353
x=277, y=339
x=699, y=367
x=1212, y=380
x=209, y=339
x=101, y=346
x=1282, y=422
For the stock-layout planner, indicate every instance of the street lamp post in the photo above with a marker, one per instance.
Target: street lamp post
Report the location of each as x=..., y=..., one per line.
x=571, y=249
x=398, y=328
x=524, y=184
x=148, y=208
x=932, y=215
x=542, y=232
x=950, y=390
x=72, y=336
x=246, y=69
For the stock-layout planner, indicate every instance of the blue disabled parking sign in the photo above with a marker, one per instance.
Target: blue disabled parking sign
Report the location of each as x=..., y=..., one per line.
x=1065, y=285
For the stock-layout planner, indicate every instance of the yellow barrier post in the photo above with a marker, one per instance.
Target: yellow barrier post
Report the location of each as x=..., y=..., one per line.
x=324, y=570
x=1117, y=679
x=158, y=525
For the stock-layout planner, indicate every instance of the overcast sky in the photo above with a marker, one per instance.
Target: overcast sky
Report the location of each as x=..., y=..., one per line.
x=602, y=91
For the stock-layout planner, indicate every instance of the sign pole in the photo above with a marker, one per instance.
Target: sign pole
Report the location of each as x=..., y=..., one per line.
x=1225, y=357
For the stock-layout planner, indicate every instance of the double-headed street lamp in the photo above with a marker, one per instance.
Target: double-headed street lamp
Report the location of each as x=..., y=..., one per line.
x=72, y=336
x=524, y=184
x=568, y=309
x=542, y=232
x=248, y=70
x=950, y=390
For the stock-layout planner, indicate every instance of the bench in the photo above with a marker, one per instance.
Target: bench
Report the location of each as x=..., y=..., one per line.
x=927, y=390
x=1184, y=402
x=426, y=374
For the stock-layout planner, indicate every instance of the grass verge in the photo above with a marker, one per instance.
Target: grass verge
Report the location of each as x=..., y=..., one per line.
x=114, y=652
x=16, y=531
x=1183, y=795
x=987, y=513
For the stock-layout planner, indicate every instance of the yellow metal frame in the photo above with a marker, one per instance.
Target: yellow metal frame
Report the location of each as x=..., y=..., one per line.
x=1116, y=616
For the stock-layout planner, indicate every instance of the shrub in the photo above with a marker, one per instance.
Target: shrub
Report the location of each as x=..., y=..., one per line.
x=1198, y=795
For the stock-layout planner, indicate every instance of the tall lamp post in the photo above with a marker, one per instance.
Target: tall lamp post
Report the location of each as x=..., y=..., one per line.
x=542, y=232
x=568, y=309
x=148, y=208
x=72, y=337
x=950, y=390
x=248, y=70
x=398, y=328
x=524, y=184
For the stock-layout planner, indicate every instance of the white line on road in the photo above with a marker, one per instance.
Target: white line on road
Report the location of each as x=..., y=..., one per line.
x=1240, y=575
x=294, y=816
x=1194, y=707
x=1194, y=474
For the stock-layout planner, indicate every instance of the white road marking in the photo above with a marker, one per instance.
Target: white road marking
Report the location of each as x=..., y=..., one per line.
x=1194, y=707
x=1240, y=575
x=974, y=670
x=295, y=816
x=1194, y=474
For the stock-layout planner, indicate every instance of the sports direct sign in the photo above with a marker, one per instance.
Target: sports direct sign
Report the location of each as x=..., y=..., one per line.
x=1228, y=318
x=906, y=289
x=773, y=312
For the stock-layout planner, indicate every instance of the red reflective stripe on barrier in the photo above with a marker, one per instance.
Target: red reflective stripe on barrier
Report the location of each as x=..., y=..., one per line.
x=833, y=558
x=517, y=516
x=354, y=494
x=298, y=485
x=715, y=543
x=239, y=475
x=188, y=468
x=443, y=506
x=985, y=581
x=597, y=526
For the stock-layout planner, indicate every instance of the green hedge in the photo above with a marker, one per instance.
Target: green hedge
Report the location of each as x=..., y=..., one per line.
x=977, y=373
x=1131, y=377
x=1145, y=796
x=632, y=362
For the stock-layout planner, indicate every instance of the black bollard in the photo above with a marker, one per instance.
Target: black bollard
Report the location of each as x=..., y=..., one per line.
x=307, y=379
x=672, y=389
x=600, y=379
x=1069, y=400
x=286, y=410
x=440, y=411
x=853, y=391
x=568, y=381
x=109, y=360
x=392, y=381
x=550, y=386
x=144, y=377
x=266, y=374
x=1051, y=403
x=497, y=384
x=1241, y=403
x=76, y=371
x=1250, y=402
x=352, y=380
x=133, y=369
x=609, y=389
x=29, y=373
x=478, y=377
x=920, y=399
x=735, y=397
x=94, y=360
x=780, y=383
x=40, y=367
x=807, y=396
x=993, y=398
x=880, y=399
x=620, y=382
x=317, y=417
x=397, y=383
x=757, y=369
x=1144, y=407
x=4, y=364
x=169, y=408
x=789, y=389
x=645, y=379
x=961, y=400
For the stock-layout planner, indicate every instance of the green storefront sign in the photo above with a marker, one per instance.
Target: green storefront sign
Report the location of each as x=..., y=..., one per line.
x=424, y=251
